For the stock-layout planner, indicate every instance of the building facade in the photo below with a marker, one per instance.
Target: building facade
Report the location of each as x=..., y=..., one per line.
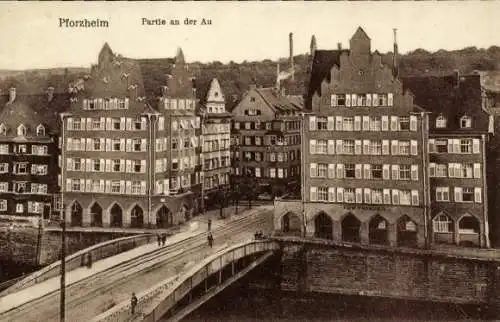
x=266, y=137
x=28, y=154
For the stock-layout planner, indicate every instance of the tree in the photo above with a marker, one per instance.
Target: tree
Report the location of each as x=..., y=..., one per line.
x=249, y=188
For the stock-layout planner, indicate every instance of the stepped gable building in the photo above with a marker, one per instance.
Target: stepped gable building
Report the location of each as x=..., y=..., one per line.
x=28, y=152
x=365, y=153
x=266, y=140
x=115, y=151
x=215, y=143
x=458, y=126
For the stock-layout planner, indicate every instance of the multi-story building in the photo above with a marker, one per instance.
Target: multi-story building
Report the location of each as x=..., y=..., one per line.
x=365, y=151
x=119, y=167
x=266, y=137
x=459, y=126
x=28, y=153
x=216, y=135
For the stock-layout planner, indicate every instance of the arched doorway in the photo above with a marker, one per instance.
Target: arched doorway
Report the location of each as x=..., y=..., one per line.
x=96, y=215
x=164, y=217
x=76, y=214
x=290, y=224
x=116, y=215
x=469, y=231
x=407, y=232
x=442, y=228
x=378, y=231
x=350, y=229
x=323, y=226
x=136, y=217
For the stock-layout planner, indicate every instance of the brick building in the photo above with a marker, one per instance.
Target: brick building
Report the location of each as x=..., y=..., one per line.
x=28, y=152
x=120, y=168
x=459, y=133
x=266, y=137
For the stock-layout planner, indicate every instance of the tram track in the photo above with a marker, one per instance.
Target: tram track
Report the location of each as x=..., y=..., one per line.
x=103, y=282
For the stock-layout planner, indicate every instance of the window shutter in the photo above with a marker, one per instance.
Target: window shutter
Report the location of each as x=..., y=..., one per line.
x=477, y=170
x=108, y=186
x=313, y=170
x=368, y=195
x=451, y=170
x=128, y=166
x=122, y=145
x=359, y=195
x=395, y=172
x=128, y=187
x=314, y=194
x=477, y=195
x=83, y=164
x=340, y=194
x=413, y=123
x=394, y=147
x=312, y=123
x=69, y=144
x=330, y=125
x=102, y=165
x=69, y=124
x=413, y=147
x=333, y=100
x=394, y=123
x=456, y=146
x=331, y=147
x=33, y=169
x=450, y=146
x=385, y=147
x=375, y=99
x=88, y=185
x=432, y=169
x=414, y=198
x=122, y=165
x=390, y=99
x=385, y=123
x=143, y=144
x=340, y=170
x=108, y=123
x=143, y=166
x=414, y=172
x=102, y=123
x=366, y=123
x=128, y=145
x=122, y=186
x=144, y=123
x=339, y=123
x=475, y=145
x=88, y=126
x=395, y=197
x=128, y=126
x=358, y=172
x=366, y=147
x=108, y=145
x=108, y=165
x=386, y=172
x=357, y=123
x=69, y=164
x=88, y=165
x=331, y=194
x=432, y=145
x=354, y=100
x=348, y=100
x=458, y=194
x=68, y=184
x=143, y=187
x=357, y=147
x=331, y=171
x=89, y=146
x=122, y=123
x=387, y=196
x=368, y=172
x=312, y=146
x=339, y=146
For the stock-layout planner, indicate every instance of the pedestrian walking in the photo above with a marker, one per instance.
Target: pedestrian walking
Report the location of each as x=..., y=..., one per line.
x=89, y=260
x=210, y=240
x=158, y=237
x=163, y=239
x=209, y=224
x=133, y=303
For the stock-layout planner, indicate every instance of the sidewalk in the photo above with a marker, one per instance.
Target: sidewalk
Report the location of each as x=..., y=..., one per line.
x=195, y=226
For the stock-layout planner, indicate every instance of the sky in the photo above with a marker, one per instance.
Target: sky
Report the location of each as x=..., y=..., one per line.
x=30, y=35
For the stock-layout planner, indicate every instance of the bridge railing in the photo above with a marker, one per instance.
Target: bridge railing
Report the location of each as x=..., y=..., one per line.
x=99, y=251
x=159, y=298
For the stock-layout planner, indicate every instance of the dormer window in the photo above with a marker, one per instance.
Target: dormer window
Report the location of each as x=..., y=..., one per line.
x=3, y=129
x=441, y=122
x=21, y=130
x=40, y=130
x=465, y=122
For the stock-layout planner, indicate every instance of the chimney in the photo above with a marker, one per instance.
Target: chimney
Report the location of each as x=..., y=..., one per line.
x=50, y=93
x=313, y=45
x=456, y=77
x=292, y=66
x=12, y=94
x=395, y=67
x=339, y=46
x=277, y=76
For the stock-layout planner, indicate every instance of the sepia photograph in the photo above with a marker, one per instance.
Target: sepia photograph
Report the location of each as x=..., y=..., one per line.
x=249, y=161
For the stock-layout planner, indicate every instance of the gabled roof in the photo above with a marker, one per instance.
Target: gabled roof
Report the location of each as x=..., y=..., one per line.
x=323, y=62
x=360, y=34
x=278, y=102
x=441, y=96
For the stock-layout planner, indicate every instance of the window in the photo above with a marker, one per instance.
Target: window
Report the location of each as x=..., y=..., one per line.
x=20, y=168
x=137, y=166
x=3, y=205
x=19, y=208
x=468, y=195
x=174, y=144
x=382, y=99
x=40, y=130
x=115, y=186
x=348, y=124
x=257, y=172
x=322, y=123
x=377, y=196
x=350, y=171
x=441, y=170
x=95, y=186
x=376, y=147
x=97, y=165
x=442, y=194
x=404, y=147
x=77, y=164
x=175, y=164
x=115, y=123
x=375, y=123
x=96, y=124
x=465, y=170
x=77, y=124
x=465, y=122
x=348, y=147
x=137, y=144
x=116, y=165
x=341, y=100
x=21, y=148
x=136, y=187
x=404, y=172
x=116, y=144
x=4, y=149
x=258, y=140
x=321, y=146
x=404, y=123
x=280, y=173
x=441, y=122
x=442, y=224
x=322, y=170
x=186, y=143
x=97, y=144
x=404, y=197
x=248, y=140
x=248, y=125
x=322, y=194
x=138, y=124
x=349, y=195
x=376, y=171
x=75, y=185
x=442, y=146
x=272, y=172
x=4, y=167
x=465, y=146
x=4, y=186
x=39, y=149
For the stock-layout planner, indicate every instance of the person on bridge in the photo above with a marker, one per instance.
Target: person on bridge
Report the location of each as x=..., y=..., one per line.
x=163, y=239
x=133, y=303
x=158, y=237
x=210, y=240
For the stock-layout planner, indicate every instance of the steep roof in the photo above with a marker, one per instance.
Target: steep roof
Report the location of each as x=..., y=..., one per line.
x=360, y=34
x=279, y=102
x=322, y=63
x=441, y=96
